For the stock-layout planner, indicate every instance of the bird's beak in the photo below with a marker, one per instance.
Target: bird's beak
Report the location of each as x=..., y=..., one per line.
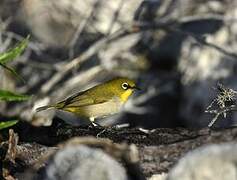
x=135, y=87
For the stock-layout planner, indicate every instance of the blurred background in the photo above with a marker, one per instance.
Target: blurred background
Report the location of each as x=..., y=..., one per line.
x=176, y=50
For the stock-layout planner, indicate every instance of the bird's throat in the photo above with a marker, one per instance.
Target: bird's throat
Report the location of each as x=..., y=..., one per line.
x=124, y=97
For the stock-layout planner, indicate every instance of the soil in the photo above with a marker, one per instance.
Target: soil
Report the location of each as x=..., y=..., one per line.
x=159, y=149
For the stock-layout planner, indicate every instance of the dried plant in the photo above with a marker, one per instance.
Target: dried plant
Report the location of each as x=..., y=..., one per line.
x=225, y=102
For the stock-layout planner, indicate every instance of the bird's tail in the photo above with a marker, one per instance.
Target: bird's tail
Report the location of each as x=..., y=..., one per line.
x=44, y=108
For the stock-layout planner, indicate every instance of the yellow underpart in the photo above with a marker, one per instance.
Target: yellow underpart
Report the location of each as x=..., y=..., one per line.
x=77, y=110
x=124, y=97
x=71, y=109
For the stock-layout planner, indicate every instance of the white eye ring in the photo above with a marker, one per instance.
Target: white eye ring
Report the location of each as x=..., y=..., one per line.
x=125, y=86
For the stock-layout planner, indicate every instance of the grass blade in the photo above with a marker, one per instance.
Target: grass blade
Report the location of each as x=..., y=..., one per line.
x=14, y=52
x=12, y=71
x=9, y=96
x=7, y=124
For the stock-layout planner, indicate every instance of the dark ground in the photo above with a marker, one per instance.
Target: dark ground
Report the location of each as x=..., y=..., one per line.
x=159, y=149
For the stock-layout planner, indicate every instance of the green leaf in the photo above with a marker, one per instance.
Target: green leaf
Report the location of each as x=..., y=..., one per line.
x=12, y=71
x=9, y=96
x=14, y=52
x=7, y=124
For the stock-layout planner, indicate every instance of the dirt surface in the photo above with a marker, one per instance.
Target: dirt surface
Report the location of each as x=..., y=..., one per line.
x=159, y=149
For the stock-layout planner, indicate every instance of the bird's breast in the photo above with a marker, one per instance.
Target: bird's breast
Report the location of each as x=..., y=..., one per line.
x=100, y=110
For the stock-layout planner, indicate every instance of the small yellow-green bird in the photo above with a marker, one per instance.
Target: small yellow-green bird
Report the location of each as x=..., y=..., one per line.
x=99, y=101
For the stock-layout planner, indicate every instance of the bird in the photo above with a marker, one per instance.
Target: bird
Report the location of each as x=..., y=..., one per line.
x=99, y=101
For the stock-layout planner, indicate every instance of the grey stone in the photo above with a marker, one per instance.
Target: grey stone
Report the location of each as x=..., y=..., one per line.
x=212, y=162
x=83, y=163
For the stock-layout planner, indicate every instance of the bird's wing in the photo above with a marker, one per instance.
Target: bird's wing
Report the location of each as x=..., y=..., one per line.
x=81, y=99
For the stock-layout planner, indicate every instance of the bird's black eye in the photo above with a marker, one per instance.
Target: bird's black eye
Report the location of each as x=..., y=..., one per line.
x=125, y=86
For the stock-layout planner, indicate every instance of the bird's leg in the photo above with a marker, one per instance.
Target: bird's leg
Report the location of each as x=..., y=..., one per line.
x=101, y=132
x=92, y=120
x=93, y=123
x=115, y=127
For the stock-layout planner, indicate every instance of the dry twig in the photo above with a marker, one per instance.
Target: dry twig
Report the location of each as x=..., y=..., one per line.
x=10, y=155
x=81, y=28
x=225, y=101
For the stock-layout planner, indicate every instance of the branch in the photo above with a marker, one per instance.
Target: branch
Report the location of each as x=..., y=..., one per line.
x=80, y=29
x=131, y=28
x=115, y=17
x=220, y=112
x=174, y=26
x=202, y=40
x=225, y=96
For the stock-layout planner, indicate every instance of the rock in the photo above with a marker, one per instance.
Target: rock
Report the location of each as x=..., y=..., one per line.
x=82, y=163
x=213, y=162
x=158, y=176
